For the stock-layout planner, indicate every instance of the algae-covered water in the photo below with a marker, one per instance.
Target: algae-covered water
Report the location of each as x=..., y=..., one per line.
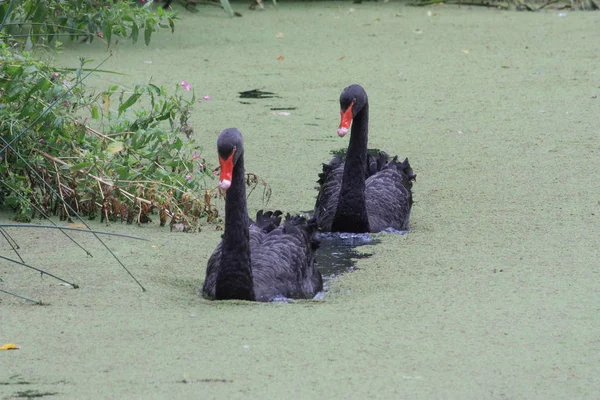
x=493, y=294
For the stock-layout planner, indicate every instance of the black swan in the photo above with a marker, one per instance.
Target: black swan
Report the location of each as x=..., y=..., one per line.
x=362, y=193
x=258, y=261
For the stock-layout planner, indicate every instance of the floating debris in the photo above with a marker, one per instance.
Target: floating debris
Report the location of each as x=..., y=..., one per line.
x=257, y=94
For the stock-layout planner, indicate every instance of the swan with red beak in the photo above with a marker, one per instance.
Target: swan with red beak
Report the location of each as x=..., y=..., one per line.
x=226, y=170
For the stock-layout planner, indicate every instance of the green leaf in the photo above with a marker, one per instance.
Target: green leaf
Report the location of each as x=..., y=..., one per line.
x=135, y=31
x=108, y=33
x=95, y=112
x=147, y=34
x=129, y=102
x=14, y=70
x=28, y=44
x=82, y=165
x=115, y=147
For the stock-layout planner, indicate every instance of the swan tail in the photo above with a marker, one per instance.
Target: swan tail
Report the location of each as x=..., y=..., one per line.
x=268, y=220
x=382, y=162
x=307, y=228
x=408, y=175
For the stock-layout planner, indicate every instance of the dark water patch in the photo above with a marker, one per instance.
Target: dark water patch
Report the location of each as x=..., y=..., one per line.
x=283, y=108
x=32, y=394
x=257, y=94
x=342, y=152
x=337, y=255
x=206, y=380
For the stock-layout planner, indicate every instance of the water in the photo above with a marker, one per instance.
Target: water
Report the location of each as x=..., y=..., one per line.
x=337, y=255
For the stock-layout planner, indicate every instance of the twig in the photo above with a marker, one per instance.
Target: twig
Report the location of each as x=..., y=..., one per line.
x=75, y=286
x=100, y=180
x=97, y=133
x=8, y=145
x=427, y=3
x=547, y=4
x=64, y=204
x=70, y=229
x=38, y=209
x=22, y=297
x=11, y=242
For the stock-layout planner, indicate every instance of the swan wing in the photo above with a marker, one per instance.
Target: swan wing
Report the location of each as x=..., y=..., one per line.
x=330, y=183
x=283, y=261
x=388, y=193
x=212, y=270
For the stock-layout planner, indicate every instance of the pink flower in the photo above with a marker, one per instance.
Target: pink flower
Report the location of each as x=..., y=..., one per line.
x=207, y=98
x=188, y=177
x=42, y=140
x=55, y=75
x=201, y=166
x=66, y=102
x=195, y=156
x=186, y=85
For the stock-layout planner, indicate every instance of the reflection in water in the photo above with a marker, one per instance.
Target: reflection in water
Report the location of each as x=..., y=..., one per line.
x=336, y=253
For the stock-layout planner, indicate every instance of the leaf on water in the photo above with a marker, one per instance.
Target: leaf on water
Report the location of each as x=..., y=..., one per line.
x=115, y=147
x=465, y=51
x=341, y=58
x=10, y=346
x=281, y=58
x=279, y=35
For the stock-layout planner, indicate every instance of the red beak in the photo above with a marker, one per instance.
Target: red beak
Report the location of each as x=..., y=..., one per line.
x=346, y=120
x=226, y=171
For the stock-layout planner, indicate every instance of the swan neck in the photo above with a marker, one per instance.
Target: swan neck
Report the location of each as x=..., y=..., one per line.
x=351, y=214
x=234, y=280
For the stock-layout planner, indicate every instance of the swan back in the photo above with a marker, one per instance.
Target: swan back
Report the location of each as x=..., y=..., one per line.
x=282, y=259
x=388, y=193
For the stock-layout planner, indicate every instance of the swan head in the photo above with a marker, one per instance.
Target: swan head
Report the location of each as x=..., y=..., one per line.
x=230, y=146
x=352, y=100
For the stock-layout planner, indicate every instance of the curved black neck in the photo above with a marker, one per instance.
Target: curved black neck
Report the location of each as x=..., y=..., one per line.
x=351, y=213
x=234, y=280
